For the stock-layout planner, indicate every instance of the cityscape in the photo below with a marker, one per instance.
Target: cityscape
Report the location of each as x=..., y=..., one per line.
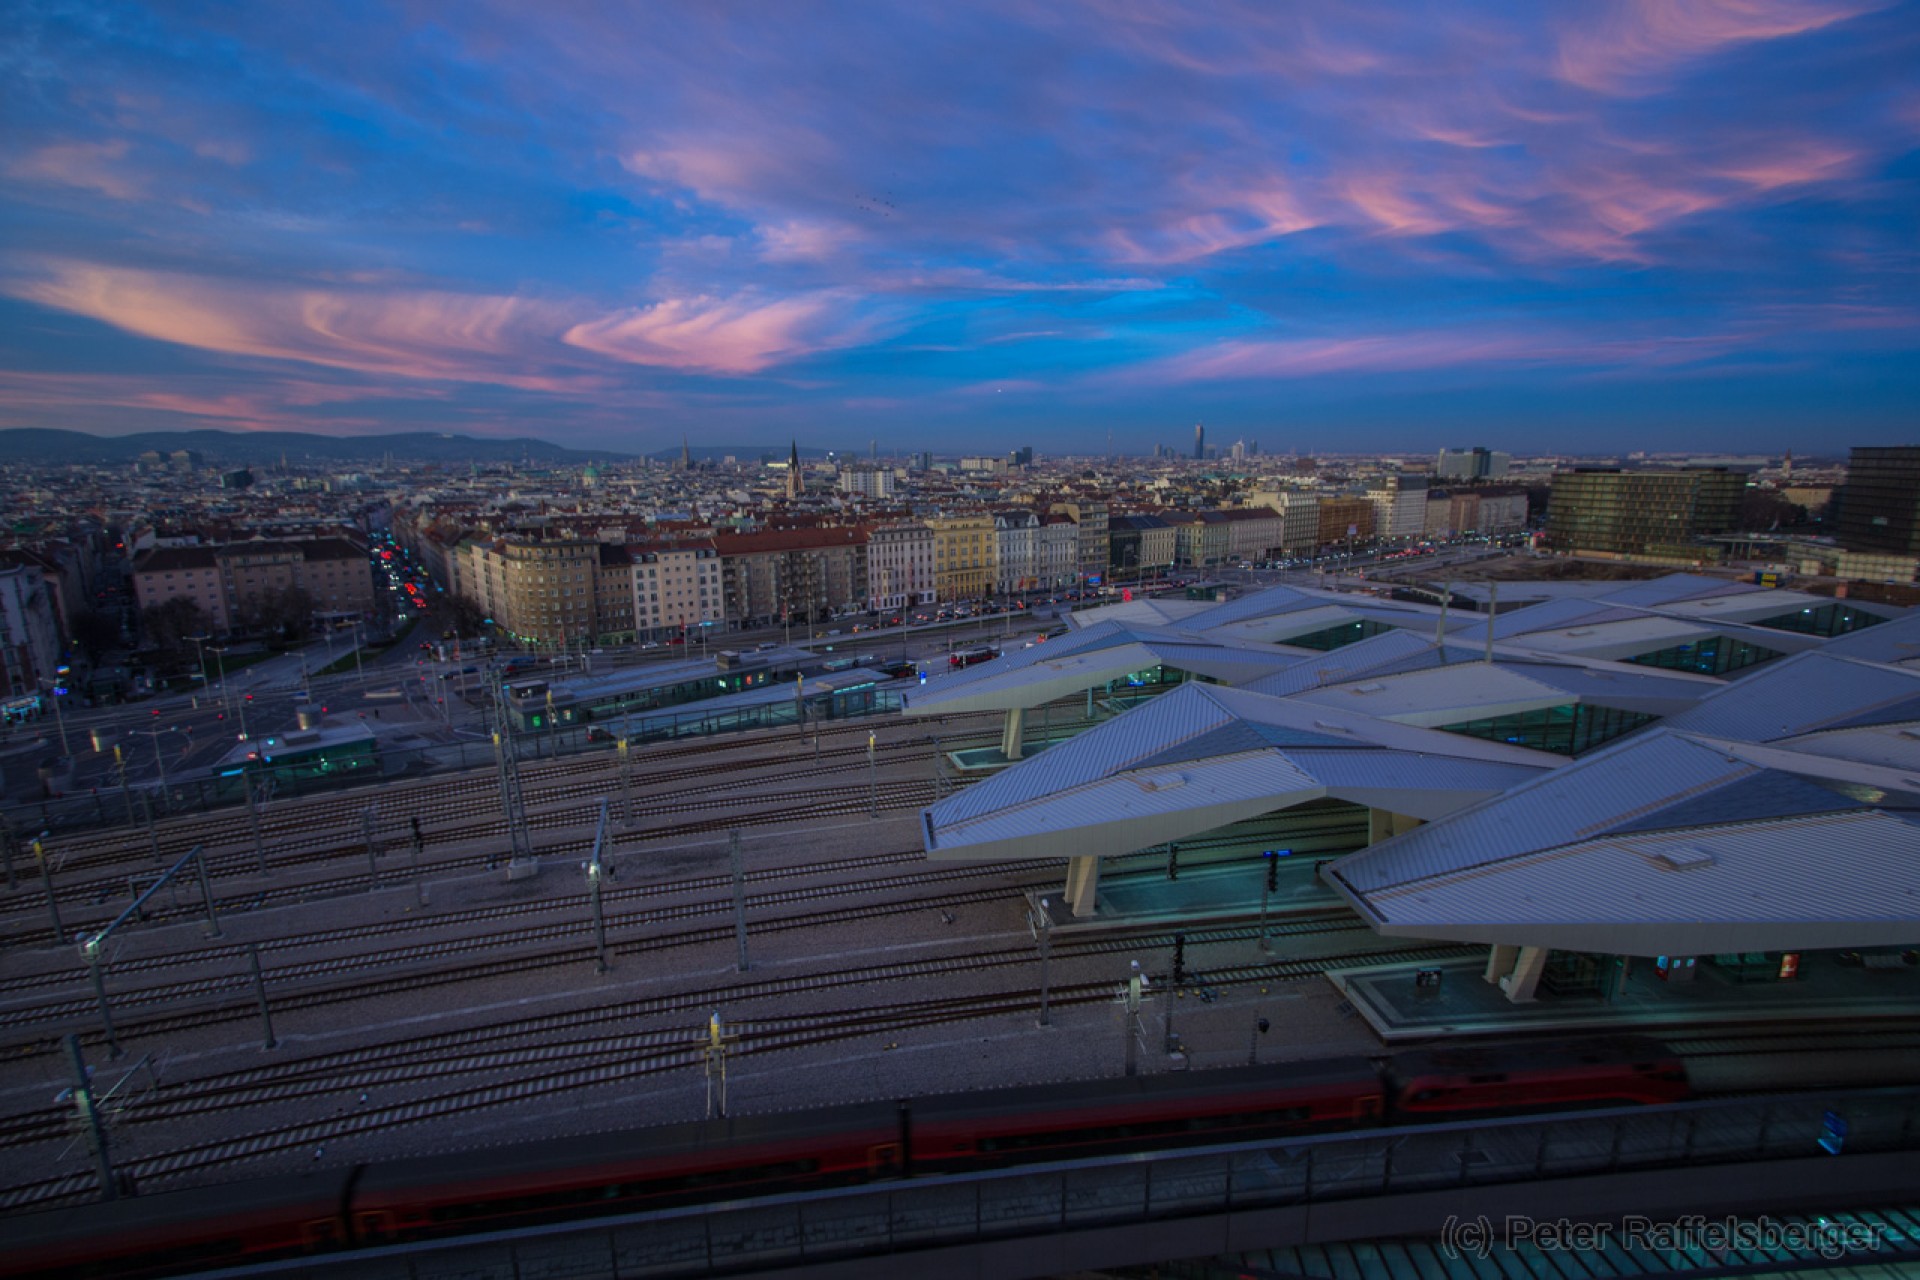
x=1119, y=641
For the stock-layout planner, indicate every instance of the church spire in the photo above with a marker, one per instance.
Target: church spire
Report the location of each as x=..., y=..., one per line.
x=794, y=482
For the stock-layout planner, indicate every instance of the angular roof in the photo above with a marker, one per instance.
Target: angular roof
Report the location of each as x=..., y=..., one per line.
x=1738, y=888
x=1201, y=757
x=1469, y=690
x=1663, y=844
x=1081, y=660
x=1803, y=694
x=1896, y=642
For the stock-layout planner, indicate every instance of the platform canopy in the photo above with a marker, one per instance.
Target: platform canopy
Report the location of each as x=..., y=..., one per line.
x=1896, y=643
x=1082, y=660
x=1663, y=844
x=1443, y=693
x=1202, y=757
x=1805, y=694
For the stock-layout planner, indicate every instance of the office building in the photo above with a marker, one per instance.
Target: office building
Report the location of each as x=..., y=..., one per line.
x=1471, y=464
x=1647, y=514
x=1879, y=506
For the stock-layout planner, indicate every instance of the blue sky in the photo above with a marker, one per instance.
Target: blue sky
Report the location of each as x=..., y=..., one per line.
x=1583, y=227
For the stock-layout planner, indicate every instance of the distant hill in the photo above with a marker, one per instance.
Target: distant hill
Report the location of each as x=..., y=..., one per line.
x=264, y=448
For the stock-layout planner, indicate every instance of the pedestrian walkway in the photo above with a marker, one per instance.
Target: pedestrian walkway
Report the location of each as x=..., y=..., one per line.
x=1455, y=1000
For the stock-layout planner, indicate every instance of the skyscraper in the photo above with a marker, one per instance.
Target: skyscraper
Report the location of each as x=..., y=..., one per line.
x=1199, y=441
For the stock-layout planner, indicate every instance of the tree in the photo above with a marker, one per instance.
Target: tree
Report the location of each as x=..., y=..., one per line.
x=1764, y=509
x=94, y=633
x=167, y=625
x=467, y=617
x=286, y=612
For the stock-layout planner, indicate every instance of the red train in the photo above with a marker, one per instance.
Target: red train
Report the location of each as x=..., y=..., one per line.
x=562, y=1179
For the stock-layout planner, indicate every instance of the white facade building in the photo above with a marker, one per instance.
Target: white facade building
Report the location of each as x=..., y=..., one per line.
x=1016, y=535
x=676, y=588
x=900, y=572
x=1057, y=552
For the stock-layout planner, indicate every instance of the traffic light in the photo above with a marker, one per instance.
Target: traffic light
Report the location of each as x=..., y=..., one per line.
x=1179, y=958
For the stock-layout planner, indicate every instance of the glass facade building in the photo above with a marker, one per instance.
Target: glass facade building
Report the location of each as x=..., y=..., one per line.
x=1652, y=513
x=1879, y=506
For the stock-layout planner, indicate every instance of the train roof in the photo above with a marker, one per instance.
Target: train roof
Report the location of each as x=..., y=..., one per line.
x=1170, y=1087
x=227, y=1205
x=1544, y=1055
x=586, y=1150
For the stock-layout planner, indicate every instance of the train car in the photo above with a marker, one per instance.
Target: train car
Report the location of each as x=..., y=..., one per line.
x=564, y=1179
x=567, y=1178
x=195, y=1230
x=1484, y=1079
x=1063, y=1122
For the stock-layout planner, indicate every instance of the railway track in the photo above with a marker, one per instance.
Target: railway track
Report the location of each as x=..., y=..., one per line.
x=617, y=922
x=454, y=794
x=626, y=1057
x=885, y=797
x=527, y=1041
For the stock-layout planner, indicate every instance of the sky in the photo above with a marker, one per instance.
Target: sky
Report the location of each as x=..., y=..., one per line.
x=1084, y=225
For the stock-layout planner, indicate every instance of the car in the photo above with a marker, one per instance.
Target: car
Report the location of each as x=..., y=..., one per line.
x=650, y=644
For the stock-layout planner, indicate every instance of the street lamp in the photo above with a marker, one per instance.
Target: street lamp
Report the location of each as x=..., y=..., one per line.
x=55, y=690
x=199, y=648
x=220, y=663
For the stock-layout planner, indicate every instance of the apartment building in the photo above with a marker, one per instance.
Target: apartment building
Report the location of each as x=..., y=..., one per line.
x=677, y=586
x=1141, y=546
x=541, y=592
x=1057, y=550
x=1090, y=520
x=615, y=604
x=793, y=575
x=29, y=635
x=900, y=566
x=185, y=573
x=1016, y=542
x=963, y=550
x=240, y=584
x=334, y=573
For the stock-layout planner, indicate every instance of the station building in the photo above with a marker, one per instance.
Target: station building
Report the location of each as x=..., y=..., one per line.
x=1552, y=792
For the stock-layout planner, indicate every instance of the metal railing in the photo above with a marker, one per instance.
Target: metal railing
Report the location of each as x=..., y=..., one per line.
x=1130, y=1189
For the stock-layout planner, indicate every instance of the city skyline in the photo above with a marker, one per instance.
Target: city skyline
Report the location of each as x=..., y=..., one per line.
x=1616, y=228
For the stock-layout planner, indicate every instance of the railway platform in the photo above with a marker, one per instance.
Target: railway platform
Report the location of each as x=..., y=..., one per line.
x=1457, y=1002
x=1200, y=895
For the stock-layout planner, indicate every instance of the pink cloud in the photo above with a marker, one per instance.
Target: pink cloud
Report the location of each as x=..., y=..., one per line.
x=87, y=166
x=1622, y=47
x=1792, y=163
x=721, y=335
x=415, y=334
x=1504, y=345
